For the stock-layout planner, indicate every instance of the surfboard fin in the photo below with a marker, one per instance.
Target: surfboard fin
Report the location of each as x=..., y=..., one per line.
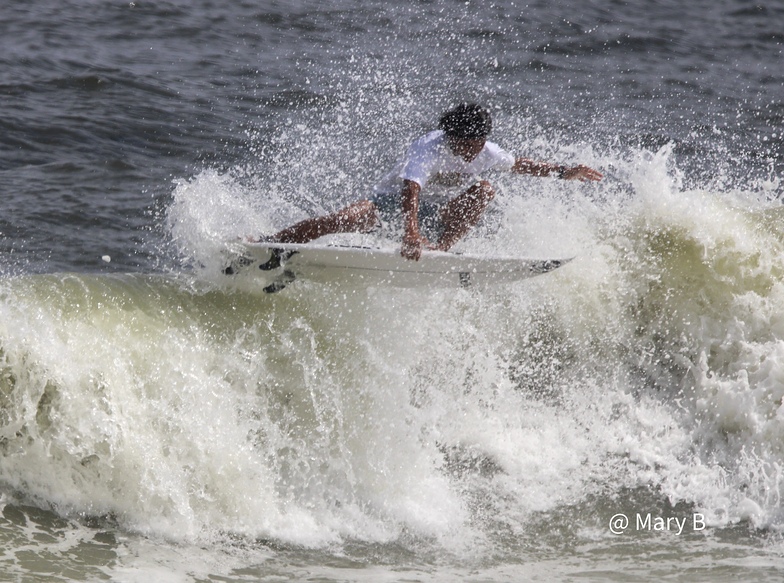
x=281, y=282
x=236, y=265
x=277, y=258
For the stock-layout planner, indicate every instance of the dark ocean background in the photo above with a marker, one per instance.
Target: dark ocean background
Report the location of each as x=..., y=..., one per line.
x=158, y=422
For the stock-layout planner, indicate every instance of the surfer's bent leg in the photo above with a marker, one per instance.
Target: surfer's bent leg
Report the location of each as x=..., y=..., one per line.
x=463, y=212
x=359, y=217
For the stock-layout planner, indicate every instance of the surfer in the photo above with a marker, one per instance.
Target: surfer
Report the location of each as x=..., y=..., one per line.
x=437, y=165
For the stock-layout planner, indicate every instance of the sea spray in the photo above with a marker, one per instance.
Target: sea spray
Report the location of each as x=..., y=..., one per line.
x=631, y=316
x=644, y=373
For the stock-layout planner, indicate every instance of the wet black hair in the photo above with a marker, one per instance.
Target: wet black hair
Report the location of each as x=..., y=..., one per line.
x=468, y=121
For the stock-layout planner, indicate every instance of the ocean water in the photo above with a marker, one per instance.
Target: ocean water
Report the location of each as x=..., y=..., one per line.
x=621, y=419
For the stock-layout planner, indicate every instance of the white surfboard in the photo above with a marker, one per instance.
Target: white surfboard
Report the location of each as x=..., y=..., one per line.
x=277, y=265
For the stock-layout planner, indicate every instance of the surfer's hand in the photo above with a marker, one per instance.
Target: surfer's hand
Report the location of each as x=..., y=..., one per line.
x=412, y=246
x=581, y=173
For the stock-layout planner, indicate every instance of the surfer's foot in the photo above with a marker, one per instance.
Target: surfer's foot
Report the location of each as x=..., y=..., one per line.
x=277, y=258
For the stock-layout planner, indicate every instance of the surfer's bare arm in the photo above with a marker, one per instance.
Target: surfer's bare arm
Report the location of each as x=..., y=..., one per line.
x=413, y=241
x=535, y=168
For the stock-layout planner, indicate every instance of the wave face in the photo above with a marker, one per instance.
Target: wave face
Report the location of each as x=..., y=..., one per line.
x=644, y=375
